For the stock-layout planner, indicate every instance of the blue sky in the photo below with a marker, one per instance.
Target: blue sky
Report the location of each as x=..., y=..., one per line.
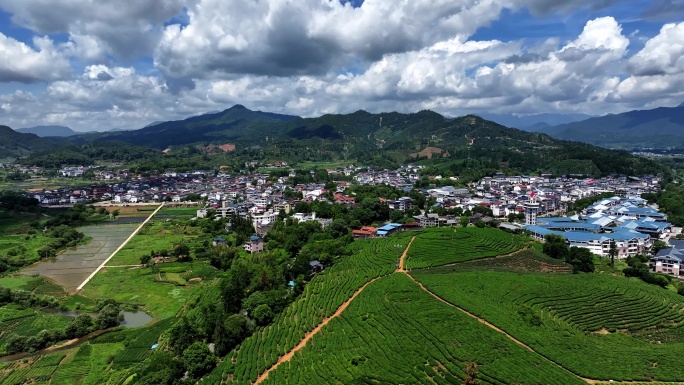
x=101, y=65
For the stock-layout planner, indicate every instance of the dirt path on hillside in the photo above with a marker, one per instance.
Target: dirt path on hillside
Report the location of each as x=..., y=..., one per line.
x=288, y=356
x=400, y=268
x=472, y=141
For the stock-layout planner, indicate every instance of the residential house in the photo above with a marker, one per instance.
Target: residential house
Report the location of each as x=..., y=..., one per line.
x=254, y=245
x=670, y=261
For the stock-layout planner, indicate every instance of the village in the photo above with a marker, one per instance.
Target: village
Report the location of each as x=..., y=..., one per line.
x=534, y=204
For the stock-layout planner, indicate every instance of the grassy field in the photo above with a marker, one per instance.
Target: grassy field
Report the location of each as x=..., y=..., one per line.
x=11, y=222
x=441, y=246
x=159, y=234
x=597, y=325
x=153, y=292
x=395, y=333
x=35, y=284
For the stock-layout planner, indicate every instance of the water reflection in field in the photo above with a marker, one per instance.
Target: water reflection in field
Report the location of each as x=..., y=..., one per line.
x=71, y=267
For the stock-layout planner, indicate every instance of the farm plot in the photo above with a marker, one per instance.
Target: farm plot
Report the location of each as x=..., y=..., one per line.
x=71, y=267
x=157, y=235
x=596, y=325
x=322, y=296
x=27, y=322
x=31, y=371
x=395, y=333
x=140, y=345
x=90, y=365
x=436, y=247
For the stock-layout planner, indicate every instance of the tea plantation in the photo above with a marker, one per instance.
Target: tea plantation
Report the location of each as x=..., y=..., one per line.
x=598, y=326
x=442, y=246
x=394, y=333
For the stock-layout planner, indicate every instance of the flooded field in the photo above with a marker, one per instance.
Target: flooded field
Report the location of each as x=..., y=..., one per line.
x=71, y=267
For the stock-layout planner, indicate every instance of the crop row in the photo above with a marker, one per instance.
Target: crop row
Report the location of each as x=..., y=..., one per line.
x=442, y=246
x=521, y=304
x=630, y=309
x=138, y=348
x=40, y=370
x=322, y=296
x=394, y=333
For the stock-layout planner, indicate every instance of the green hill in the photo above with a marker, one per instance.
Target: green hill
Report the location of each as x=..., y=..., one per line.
x=15, y=144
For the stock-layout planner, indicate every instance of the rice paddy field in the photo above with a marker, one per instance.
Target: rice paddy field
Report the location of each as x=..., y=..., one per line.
x=72, y=266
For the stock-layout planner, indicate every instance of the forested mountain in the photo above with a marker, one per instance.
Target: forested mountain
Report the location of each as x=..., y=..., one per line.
x=658, y=128
x=466, y=146
x=235, y=123
x=15, y=144
x=45, y=131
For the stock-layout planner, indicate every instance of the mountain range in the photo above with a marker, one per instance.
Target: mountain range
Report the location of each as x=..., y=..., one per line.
x=534, y=122
x=658, y=128
x=456, y=145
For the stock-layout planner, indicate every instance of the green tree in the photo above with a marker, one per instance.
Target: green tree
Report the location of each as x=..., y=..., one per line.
x=613, y=252
x=80, y=326
x=262, y=314
x=658, y=245
x=555, y=246
x=581, y=260
x=181, y=250
x=182, y=335
x=109, y=316
x=229, y=332
x=198, y=360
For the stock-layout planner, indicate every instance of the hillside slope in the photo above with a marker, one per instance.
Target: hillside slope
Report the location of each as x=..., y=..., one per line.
x=15, y=144
x=456, y=145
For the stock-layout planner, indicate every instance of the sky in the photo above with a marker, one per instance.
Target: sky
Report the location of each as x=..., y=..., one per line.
x=103, y=64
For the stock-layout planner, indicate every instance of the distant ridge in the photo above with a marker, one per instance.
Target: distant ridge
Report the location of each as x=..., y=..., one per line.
x=657, y=128
x=236, y=122
x=46, y=131
x=534, y=122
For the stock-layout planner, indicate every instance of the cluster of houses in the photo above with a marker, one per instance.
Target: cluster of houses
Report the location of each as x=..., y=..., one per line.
x=627, y=222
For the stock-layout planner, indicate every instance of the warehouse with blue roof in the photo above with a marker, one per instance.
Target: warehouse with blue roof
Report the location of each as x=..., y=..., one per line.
x=633, y=228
